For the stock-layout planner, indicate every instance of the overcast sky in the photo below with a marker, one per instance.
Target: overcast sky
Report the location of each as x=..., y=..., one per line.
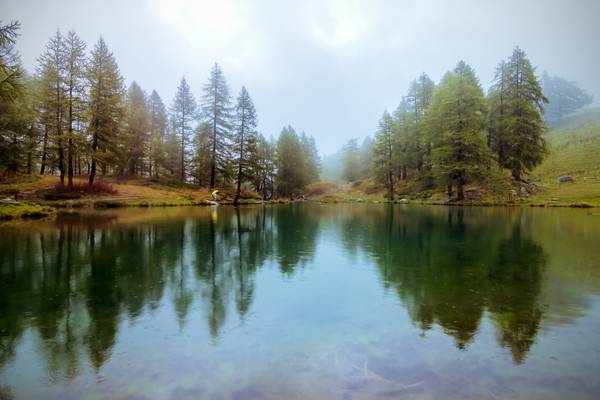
x=327, y=67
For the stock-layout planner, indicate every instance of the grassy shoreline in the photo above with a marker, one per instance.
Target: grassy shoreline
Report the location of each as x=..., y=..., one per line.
x=31, y=204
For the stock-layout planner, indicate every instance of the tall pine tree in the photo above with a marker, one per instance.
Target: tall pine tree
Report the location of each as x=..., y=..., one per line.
x=75, y=65
x=244, y=137
x=516, y=121
x=158, y=130
x=217, y=114
x=457, y=122
x=51, y=72
x=106, y=107
x=138, y=128
x=383, y=153
x=184, y=111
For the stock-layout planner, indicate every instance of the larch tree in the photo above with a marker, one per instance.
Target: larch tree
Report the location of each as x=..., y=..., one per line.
x=75, y=90
x=12, y=96
x=518, y=131
x=18, y=130
x=383, y=153
x=457, y=119
x=312, y=162
x=106, y=107
x=417, y=103
x=10, y=65
x=158, y=129
x=290, y=175
x=351, y=166
x=264, y=167
x=202, y=154
x=184, y=111
x=497, y=108
x=138, y=128
x=407, y=143
x=216, y=111
x=51, y=72
x=243, y=137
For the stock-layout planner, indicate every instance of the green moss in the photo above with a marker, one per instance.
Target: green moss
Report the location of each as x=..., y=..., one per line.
x=9, y=210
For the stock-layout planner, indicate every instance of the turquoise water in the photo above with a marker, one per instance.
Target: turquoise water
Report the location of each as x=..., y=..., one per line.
x=302, y=302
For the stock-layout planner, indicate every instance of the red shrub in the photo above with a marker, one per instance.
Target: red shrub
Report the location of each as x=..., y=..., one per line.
x=95, y=188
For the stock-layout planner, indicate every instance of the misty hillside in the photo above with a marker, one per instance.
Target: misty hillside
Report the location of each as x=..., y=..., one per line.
x=573, y=151
x=574, y=148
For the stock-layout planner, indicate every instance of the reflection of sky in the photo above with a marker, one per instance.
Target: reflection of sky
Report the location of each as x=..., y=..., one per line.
x=318, y=329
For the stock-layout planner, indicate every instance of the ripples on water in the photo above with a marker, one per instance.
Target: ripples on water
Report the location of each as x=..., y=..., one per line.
x=302, y=301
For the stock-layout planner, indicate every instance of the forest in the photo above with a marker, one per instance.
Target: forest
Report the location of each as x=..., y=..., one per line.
x=451, y=134
x=74, y=117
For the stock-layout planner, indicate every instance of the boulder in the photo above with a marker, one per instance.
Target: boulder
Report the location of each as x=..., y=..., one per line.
x=564, y=179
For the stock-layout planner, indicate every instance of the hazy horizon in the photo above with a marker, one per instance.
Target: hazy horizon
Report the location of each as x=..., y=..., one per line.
x=329, y=68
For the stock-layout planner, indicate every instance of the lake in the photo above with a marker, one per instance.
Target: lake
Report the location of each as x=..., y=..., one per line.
x=302, y=301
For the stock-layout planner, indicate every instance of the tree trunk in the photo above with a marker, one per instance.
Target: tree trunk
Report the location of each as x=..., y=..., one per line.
x=70, y=149
x=460, y=189
x=183, y=147
x=516, y=174
x=93, y=166
x=449, y=191
x=44, y=150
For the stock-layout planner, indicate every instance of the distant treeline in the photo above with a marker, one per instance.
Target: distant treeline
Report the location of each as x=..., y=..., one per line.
x=74, y=116
x=450, y=134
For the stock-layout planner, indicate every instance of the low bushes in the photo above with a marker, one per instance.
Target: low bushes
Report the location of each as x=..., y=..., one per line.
x=61, y=191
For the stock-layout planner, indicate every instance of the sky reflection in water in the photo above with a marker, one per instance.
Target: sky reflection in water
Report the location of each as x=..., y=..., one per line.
x=302, y=301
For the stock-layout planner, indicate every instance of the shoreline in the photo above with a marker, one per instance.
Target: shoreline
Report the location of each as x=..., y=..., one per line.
x=10, y=211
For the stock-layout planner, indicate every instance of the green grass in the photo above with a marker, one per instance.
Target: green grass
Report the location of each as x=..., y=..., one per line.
x=23, y=210
x=573, y=151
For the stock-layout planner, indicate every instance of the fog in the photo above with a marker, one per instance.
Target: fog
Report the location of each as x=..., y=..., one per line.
x=328, y=68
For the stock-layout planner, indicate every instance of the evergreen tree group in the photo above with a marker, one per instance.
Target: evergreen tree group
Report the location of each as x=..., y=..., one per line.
x=451, y=134
x=75, y=117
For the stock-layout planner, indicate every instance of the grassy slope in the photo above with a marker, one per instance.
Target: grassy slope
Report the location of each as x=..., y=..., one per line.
x=574, y=151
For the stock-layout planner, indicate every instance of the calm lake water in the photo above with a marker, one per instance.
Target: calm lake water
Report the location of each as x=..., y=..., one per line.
x=302, y=302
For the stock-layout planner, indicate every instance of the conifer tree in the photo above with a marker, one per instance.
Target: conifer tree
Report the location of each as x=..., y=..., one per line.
x=383, y=153
x=297, y=162
x=158, y=128
x=244, y=137
x=216, y=112
x=264, y=167
x=457, y=121
x=172, y=157
x=184, y=111
x=417, y=103
x=75, y=65
x=351, y=161
x=51, y=72
x=517, y=125
x=10, y=64
x=138, y=128
x=106, y=107
x=202, y=154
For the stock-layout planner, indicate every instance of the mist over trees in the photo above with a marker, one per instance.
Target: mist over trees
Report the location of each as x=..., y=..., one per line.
x=75, y=117
x=452, y=134
x=565, y=97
